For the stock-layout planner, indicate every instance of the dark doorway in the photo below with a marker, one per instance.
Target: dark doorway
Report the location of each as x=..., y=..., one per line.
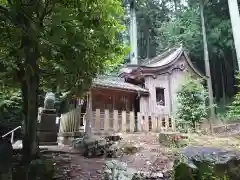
x=136, y=109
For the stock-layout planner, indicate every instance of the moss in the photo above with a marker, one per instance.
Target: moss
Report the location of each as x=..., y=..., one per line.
x=202, y=163
x=173, y=139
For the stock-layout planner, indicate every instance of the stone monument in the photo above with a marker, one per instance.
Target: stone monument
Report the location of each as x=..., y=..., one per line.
x=47, y=127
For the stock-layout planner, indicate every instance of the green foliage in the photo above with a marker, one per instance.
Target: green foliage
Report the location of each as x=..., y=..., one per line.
x=10, y=109
x=150, y=14
x=205, y=171
x=185, y=30
x=74, y=41
x=234, y=107
x=222, y=109
x=86, y=40
x=192, y=102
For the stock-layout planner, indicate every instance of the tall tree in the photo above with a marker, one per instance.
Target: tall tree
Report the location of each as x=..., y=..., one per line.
x=207, y=66
x=133, y=33
x=150, y=14
x=65, y=43
x=235, y=20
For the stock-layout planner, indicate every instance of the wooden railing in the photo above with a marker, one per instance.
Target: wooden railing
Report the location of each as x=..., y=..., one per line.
x=12, y=133
x=128, y=122
x=70, y=122
x=118, y=121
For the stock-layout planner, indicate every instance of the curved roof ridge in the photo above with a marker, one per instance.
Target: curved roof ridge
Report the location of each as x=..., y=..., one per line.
x=167, y=59
x=160, y=56
x=109, y=77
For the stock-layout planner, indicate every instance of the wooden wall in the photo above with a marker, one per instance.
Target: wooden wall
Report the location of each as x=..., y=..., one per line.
x=171, y=82
x=103, y=98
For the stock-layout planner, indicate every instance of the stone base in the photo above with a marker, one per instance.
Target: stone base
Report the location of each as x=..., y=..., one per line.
x=47, y=111
x=47, y=122
x=47, y=127
x=48, y=143
x=103, y=133
x=66, y=138
x=47, y=136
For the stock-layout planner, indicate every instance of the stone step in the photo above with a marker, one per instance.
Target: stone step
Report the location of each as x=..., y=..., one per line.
x=18, y=144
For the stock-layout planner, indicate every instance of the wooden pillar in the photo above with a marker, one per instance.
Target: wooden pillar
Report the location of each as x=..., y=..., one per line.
x=145, y=122
x=160, y=122
x=154, y=123
x=124, y=121
x=170, y=94
x=106, y=120
x=132, y=121
x=173, y=124
x=167, y=122
x=139, y=122
x=115, y=121
x=97, y=121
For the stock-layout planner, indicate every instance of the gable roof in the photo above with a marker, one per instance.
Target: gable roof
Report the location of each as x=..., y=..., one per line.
x=162, y=61
x=116, y=82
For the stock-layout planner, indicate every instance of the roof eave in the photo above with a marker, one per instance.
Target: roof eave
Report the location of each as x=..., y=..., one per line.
x=121, y=89
x=193, y=68
x=143, y=68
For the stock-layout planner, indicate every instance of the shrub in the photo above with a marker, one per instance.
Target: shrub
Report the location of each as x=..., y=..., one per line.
x=234, y=108
x=116, y=170
x=10, y=110
x=192, y=103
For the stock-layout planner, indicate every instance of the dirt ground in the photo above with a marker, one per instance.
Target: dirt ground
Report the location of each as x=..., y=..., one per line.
x=152, y=157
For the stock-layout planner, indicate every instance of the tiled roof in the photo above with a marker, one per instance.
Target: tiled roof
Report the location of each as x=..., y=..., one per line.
x=157, y=62
x=116, y=82
x=164, y=58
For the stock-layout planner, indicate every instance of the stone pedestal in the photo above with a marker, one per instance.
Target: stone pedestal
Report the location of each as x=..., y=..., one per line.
x=47, y=127
x=66, y=138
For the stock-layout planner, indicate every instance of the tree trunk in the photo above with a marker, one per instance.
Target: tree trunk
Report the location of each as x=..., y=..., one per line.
x=133, y=34
x=235, y=20
x=207, y=68
x=148, y=43
x=175, y=7
x=88, y=120
x=29, y=141
x=30, y=85
x=223, y=84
